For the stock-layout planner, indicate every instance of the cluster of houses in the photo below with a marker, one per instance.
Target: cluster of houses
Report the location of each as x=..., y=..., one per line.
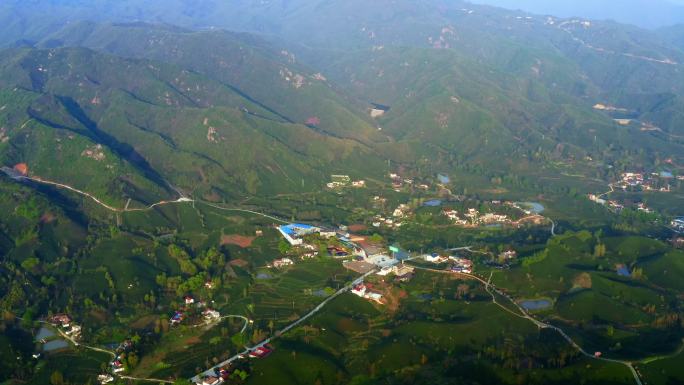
x=678, y=224
x=395, y=221
x=280, y=263
x=340, y=181
x=398, y=182
x=208, y=314
x=366, y=291
x=381, y=221
x=117, y=363
x=617, y=206
x=222, y=375
x=508, y=255
x=473, y=217
x=70, y=328
x=458, y=264
x=402, y=273
x=105, y=378
x=604, y=107
x=645, y=182
x=294, y=233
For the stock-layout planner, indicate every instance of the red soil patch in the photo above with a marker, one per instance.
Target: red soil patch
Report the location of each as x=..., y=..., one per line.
x=48, y=218
x=238, y=240
x=357, y=228
x=21, y=168
x=239, y=262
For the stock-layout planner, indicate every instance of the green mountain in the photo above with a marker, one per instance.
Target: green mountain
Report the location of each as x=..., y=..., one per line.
x=468, y=86
x=135, y=128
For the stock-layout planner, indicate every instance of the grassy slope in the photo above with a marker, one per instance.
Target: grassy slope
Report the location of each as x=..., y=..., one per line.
x=154, y=121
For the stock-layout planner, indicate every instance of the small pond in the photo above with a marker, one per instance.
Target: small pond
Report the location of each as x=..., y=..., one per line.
x=44, y=333
x=264, y=276
x=536, y=304
x=443, y=179
x=433, y=203
x=55, y=345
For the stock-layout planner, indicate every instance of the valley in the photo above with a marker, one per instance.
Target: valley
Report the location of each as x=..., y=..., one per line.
x=337, y=192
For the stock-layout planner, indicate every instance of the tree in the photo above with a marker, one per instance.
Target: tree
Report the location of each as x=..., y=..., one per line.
x=30, y=263
x=462, y=290
x=56, y=378
x=132, y=360
x=283, y=247
x=376, y=238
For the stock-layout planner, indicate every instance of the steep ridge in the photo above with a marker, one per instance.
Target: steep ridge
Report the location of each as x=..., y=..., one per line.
x=257, y=70
x=164, y=125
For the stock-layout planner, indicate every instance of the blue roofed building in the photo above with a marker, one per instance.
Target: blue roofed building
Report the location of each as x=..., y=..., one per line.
x=294, y=232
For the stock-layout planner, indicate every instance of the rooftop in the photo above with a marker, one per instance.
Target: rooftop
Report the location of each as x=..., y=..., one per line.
x=296, y=229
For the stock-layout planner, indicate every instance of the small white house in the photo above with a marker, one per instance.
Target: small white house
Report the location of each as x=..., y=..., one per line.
x=278, y=263
x=210, y=314
x=374, y=296
x=434, y=258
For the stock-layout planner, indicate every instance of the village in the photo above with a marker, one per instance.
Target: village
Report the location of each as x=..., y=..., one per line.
x=636, y=182
x=361, y=255
x=655, y=181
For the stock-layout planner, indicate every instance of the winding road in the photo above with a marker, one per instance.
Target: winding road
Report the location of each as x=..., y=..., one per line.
x=18, y=177
x=216, y=321
x=563, y=27
x=491, y=289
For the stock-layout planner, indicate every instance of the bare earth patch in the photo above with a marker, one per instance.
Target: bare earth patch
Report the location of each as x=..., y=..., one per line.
x=192, y=341
x=144, y=322
x=356, y=228
x=239, y=262
x=238, y=240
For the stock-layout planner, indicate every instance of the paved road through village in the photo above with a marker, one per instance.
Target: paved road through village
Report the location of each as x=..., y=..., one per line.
x=211, y=371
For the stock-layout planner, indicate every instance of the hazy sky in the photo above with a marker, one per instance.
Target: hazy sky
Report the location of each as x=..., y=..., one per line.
x=644, y=13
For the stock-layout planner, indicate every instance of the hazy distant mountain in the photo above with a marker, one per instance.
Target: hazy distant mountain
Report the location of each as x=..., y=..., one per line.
x=643, y=13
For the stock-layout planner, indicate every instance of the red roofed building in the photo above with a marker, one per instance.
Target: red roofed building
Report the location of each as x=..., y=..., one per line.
x=260, y=352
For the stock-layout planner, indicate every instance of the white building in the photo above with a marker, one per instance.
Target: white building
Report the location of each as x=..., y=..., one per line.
x=278, y=263
x=211, y=314
x=434, y=258
x=294, y=232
